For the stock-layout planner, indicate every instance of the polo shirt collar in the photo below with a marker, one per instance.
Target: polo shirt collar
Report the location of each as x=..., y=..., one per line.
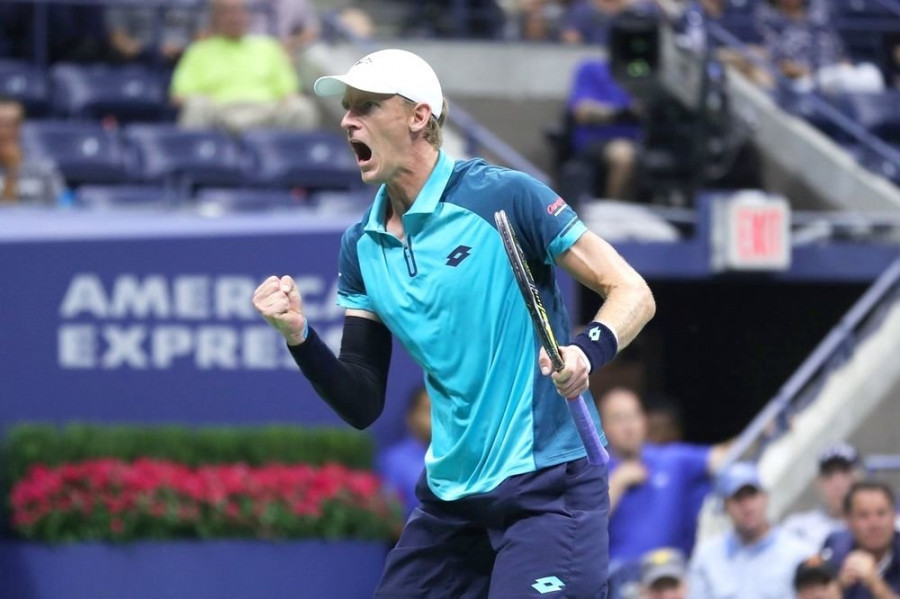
x=425, y=203
x=733, y=544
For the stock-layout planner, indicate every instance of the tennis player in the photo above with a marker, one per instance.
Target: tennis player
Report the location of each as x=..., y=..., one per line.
x=509, y=506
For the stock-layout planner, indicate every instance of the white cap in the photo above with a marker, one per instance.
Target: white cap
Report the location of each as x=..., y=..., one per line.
x=388, y=72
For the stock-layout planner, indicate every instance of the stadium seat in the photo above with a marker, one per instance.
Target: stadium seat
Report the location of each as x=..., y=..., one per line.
x=861, y=9
x=214, y=201
x=311, y=160
x=27, y=84
x=127, y=196
x=164, y=153
x=877, y=113
x=83, y=152
x=126, y=93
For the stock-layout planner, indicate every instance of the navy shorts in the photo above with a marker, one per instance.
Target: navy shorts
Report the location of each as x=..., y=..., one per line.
x=539, y=534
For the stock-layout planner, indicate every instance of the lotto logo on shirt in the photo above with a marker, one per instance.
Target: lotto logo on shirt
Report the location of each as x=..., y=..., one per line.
x=556, y=207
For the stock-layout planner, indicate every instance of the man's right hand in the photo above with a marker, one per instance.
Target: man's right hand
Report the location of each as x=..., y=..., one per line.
x=278, y=301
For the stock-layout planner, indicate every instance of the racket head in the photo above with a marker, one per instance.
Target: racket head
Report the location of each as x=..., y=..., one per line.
x=527, y=288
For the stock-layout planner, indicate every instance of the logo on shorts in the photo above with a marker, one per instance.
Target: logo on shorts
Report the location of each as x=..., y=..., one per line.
x=548, y=584
x=556, y=207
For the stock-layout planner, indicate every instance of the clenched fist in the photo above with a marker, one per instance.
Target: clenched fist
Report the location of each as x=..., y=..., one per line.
x=279, y=302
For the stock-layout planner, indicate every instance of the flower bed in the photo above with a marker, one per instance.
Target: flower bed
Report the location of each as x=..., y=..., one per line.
x=110, y=499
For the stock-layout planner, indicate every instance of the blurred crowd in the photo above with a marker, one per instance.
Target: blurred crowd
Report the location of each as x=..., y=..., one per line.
x=846, y=547
x=230, y=65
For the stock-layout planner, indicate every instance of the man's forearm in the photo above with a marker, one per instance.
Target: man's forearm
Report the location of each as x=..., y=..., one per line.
x=626, y=309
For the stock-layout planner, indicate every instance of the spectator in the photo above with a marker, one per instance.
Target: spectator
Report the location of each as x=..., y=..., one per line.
x=481, y=19
x=588, y=22
x=605, y=128
x=157, y=35
x=804, y=47
x=838, y=470
x=664, y=421
x=537, y=20
x=753, y=560
x=295, y=22
x=21, y=179
x=236, y=82
x=401, y=464
x=655, y=491
x=867, y=556
x=663, y=575
x=76, y=33
x=816, y=579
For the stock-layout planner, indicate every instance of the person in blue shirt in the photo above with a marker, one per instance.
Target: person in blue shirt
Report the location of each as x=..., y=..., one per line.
x=656, y=491
x=400, y=465
x=605, y=127
x=508, y=504
x=867, y=555
x=754, y=560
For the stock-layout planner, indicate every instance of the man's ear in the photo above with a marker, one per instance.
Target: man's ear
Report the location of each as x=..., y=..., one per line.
x=419, y=118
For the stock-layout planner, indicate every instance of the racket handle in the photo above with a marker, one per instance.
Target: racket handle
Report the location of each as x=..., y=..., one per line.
x=596, y=453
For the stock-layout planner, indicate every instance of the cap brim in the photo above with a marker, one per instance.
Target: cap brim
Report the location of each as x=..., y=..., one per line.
x=673, y=572
x=335, y=85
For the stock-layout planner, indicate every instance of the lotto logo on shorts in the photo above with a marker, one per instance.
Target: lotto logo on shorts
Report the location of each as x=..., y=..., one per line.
x=548, y=584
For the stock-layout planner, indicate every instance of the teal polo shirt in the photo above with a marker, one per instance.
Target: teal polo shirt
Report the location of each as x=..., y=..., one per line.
x=447, y=293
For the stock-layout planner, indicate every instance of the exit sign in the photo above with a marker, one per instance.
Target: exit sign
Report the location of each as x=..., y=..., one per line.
x=751, y=231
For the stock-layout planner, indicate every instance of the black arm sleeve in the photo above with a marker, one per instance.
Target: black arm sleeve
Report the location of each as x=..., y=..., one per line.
x=354, y=384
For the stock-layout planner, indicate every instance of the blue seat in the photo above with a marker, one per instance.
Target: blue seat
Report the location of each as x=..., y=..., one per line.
x=878, y=113
x=861, y=9
x=309, y=160
x=127, y=196
x=84, y=152
x=165, y=153
x=126, y=93
x=224, y=200
x=27, y=84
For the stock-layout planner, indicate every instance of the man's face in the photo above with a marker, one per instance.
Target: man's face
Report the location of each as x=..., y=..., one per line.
x=378, y=127
x=666, y=588
x=10, y=122
x=820, y=591
x=834, y=482
x=747, y=510
x=230, y=18
x=623, y=421
x=871, y=520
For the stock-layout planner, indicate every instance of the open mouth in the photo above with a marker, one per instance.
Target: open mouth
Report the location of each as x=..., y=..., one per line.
x=362, y=151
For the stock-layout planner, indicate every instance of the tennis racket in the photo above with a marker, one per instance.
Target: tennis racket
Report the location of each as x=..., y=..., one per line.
x=596, y=453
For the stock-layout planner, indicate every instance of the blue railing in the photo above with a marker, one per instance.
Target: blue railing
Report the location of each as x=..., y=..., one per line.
x=877, y=462
x=802, y=388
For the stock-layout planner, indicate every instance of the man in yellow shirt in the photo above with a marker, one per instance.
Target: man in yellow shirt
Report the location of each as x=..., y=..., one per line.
x=235, y=81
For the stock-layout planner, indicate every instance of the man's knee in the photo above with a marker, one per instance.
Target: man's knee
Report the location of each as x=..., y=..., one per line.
x=197, y=112
x=298, y=112
x=620, y=153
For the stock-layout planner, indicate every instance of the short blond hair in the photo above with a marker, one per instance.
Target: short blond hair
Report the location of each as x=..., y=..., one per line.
x=434, y=130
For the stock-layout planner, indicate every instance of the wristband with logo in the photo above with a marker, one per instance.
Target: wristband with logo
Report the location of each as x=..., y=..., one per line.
x=599, y=343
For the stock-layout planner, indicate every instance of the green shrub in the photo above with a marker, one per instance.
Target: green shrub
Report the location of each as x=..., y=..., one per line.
x=33, y=443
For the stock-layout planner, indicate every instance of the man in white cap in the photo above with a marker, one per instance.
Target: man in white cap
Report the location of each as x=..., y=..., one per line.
x=755, y=559
x=508, y=505
x=839, y=468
